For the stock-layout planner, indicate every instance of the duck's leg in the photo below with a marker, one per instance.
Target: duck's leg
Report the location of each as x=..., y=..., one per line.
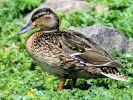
x=74, y=83
x=63, y=80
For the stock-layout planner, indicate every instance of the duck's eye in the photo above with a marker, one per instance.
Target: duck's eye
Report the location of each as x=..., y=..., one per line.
x=48, y=13
x=38, y=16
x=41, y=14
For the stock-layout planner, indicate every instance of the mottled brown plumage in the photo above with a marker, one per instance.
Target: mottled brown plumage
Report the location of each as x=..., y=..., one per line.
x=66, y=53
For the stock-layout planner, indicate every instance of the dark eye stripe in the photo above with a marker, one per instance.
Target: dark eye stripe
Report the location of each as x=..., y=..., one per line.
x=36, y=17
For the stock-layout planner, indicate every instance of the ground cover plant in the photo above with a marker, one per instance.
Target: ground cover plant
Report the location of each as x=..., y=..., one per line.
x=20, y=78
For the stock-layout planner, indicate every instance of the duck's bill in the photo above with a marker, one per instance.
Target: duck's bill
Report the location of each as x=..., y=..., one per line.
x=27, y=28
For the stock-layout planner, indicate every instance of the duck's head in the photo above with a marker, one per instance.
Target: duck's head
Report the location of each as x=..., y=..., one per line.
x=44, y=18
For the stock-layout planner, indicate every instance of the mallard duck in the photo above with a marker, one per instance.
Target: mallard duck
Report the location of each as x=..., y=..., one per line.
x=66, y=53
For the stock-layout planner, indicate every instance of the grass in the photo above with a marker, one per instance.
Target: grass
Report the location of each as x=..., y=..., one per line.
x=19, y=76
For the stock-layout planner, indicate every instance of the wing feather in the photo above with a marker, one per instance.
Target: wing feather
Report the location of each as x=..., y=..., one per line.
x=88, y=51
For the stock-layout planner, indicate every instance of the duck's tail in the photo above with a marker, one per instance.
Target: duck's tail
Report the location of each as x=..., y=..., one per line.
x=113, y=73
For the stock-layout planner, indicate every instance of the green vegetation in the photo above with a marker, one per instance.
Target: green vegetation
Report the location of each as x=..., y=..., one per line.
x=19, y=76
x=120, y=16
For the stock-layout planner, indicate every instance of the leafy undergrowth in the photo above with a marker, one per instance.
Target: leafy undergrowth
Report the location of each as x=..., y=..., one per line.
x=20, y=78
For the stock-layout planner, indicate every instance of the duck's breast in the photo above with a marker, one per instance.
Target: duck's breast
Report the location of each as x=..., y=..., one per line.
x=45, y=54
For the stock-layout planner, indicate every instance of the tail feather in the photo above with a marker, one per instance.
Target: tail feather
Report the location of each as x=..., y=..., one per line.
x=113, y=73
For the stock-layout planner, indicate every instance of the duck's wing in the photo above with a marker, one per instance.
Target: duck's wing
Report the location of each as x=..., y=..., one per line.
x=84, y=49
